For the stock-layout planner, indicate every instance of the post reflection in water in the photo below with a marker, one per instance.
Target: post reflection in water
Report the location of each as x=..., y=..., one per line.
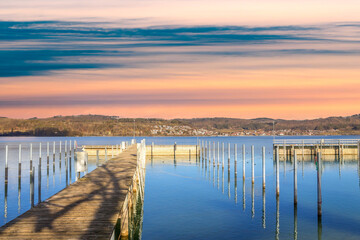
x=295, y=222
x=19, y=194
x=319, y=226
x=5, y=200
x=213, y=176
x=243, y=194
x=277, y=224
x=217, y=170
x=223, y=180
x=235, y=188
x=263, y=209
x=252, y=201
x=229, y=183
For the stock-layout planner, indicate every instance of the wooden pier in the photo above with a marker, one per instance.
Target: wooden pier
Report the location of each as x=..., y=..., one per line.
x=330, y=149
x=97, y=206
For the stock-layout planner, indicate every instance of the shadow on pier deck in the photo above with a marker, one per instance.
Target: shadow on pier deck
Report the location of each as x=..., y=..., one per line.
x=88, y=209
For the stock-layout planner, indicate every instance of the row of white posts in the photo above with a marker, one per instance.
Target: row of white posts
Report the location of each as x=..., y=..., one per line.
x=207, y=155
x=80, y=158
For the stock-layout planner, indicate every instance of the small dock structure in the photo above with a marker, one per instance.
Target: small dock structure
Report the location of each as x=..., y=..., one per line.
x=344, y=149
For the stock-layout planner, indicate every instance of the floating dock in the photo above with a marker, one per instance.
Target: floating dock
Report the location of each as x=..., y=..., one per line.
x=97, y=206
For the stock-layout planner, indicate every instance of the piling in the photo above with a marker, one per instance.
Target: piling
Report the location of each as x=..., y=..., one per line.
x=295, y=179
x=39, y=183
x=106, y=155
x=54, y=157
x=47, y=154
x=229, y=155
x=319, y=198
x=112, y=151
x=6, y=164
x=223, y=154
x=243, y=154
x=31, y=156
x=66, y=165
x=218, y=157
x=277, y=173
x=284, y=151
x=359, y=151
x=19, y=174
x=60, y=156
x=32, y=180
x=235, y=159
x=65, y=150
x=214, y=151
x=263, y=167
x=252, y=165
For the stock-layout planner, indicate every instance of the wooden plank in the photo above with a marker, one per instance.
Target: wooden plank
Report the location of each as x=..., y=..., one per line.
x=87, y=209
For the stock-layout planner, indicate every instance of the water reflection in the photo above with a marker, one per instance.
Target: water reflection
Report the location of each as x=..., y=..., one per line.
x=277, y=223
x=252, y=201
x=295, y=222
x=243, y=194
x=263, y=209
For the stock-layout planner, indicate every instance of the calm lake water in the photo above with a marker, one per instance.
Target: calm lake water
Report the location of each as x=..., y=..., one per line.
x=183, y=200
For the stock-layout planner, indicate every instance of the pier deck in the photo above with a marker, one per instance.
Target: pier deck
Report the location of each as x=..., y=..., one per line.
x=87, y=209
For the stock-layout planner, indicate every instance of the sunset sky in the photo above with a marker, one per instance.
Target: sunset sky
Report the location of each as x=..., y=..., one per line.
x=180, y=59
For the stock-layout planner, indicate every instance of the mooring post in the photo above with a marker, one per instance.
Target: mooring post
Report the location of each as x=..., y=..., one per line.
x=39, y=183
x=359, y=151
x=65, y=151
x=6, y=164
x=106, y=154
x=40, y=155
x=209, y=154
x=223, y=154
x=263, y=167
x=189, y=155
x=252, y=165
x=243, y=156
x=285, y=151
x=66, y=165
x=31, y=157
x=54, y=157
x=277, y=173
x=60, y=156
x=229, y=155
x=235, y=159
x=295, y=179
x=175, y=150
x=214, y=152
x=19, y=174
x=47, y=154
x=32, y=178
x=319, y=198
x=218, y=157
x=69, y=161
x=303, y=146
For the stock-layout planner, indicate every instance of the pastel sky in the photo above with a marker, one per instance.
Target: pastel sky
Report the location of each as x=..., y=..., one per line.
x=180, y=59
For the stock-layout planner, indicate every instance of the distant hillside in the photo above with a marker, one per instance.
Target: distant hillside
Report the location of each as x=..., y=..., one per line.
x=98, y=125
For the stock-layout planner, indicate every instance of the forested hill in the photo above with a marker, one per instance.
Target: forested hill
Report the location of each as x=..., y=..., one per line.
x=98, y=125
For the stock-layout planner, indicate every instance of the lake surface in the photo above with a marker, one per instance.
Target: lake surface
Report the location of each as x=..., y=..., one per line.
x=185, y=200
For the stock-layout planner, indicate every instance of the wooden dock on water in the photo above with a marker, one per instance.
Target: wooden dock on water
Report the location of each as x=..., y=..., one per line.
x=90, y=208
